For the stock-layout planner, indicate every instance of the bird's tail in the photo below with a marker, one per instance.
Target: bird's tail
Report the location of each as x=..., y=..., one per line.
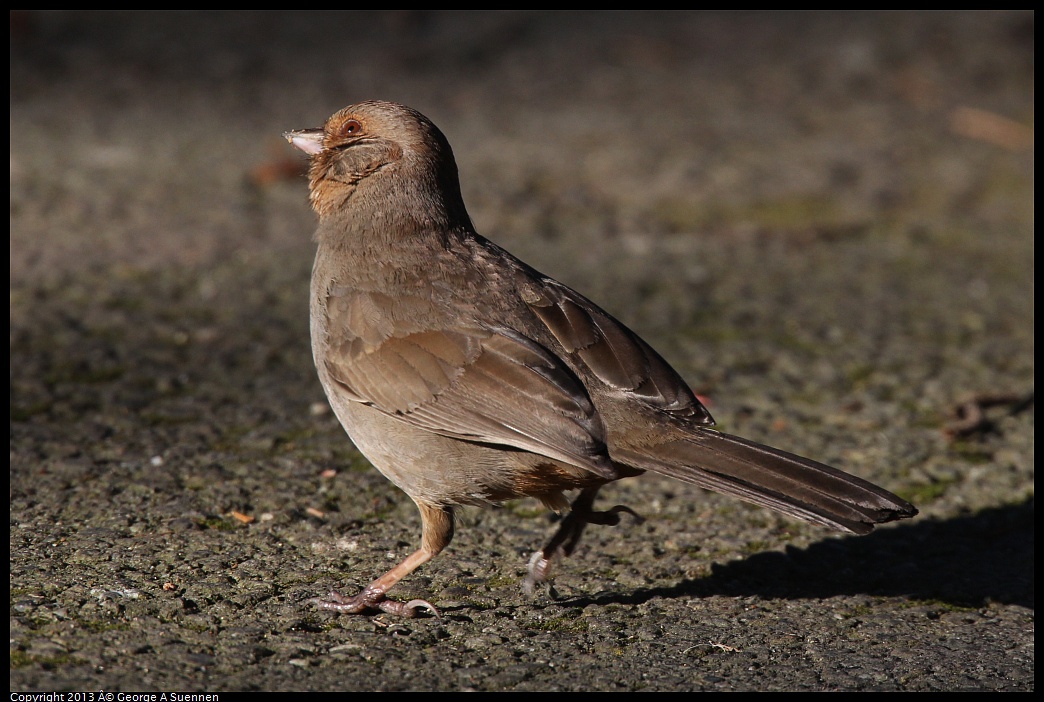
x=765, y=476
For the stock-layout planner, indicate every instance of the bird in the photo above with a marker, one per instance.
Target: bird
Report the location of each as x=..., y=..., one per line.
x=467, y=377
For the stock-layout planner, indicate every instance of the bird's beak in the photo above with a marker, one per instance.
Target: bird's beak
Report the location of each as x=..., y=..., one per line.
x=308, y=140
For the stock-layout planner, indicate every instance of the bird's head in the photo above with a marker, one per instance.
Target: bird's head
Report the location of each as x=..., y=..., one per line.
x=378, y=155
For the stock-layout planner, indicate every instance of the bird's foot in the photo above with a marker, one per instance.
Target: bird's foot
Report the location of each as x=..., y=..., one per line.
x=611, y=516
x=538, y=572
x=565, y=540
x=370, y=599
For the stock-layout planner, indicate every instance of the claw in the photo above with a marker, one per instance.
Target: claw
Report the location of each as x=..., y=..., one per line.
x=539, y=571
x=414, y=605
x=336, y=602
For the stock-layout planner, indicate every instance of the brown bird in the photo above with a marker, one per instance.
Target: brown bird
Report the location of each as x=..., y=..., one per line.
x=468, y=378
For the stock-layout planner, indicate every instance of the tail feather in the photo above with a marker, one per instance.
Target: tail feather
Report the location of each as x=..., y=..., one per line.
x=791, y=484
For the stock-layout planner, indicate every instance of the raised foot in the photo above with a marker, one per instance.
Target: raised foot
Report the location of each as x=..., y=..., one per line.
x=539, y=571
x=367, y=599
x=611, y=516
x=565, y=540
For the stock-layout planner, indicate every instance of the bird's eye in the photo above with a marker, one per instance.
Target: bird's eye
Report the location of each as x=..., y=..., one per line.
x=351, y=128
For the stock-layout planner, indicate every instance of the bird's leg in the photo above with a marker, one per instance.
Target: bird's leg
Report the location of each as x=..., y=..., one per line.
x=437, y=525
x=564, y=542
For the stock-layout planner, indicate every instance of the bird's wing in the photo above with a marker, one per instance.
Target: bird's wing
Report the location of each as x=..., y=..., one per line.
x=476, y=383
x=614, y=354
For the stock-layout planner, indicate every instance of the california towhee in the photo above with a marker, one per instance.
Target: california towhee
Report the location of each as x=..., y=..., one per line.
x=468, y=378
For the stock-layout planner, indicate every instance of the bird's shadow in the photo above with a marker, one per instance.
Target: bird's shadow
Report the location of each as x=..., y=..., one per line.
x=963, y=562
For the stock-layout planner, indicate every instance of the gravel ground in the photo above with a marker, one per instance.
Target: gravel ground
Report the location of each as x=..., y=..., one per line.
x=824, y=221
